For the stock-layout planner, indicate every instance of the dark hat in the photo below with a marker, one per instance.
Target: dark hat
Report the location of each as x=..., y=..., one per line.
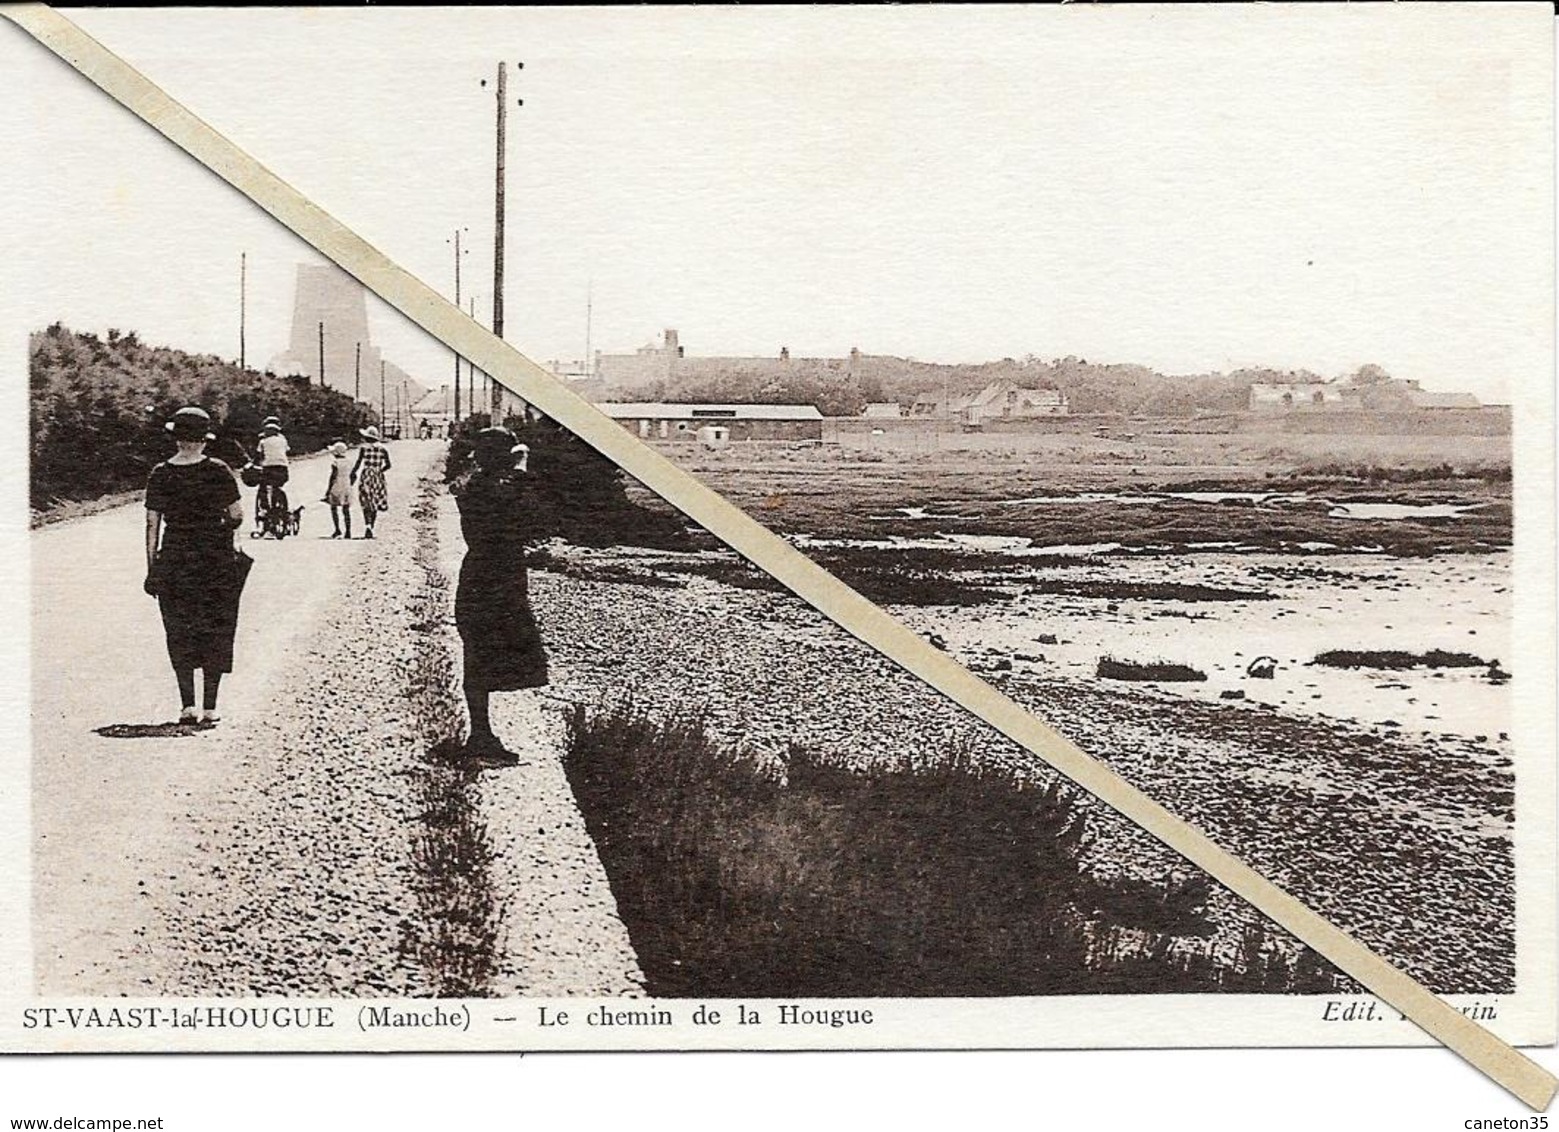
x=191, y=423
x=494, y=446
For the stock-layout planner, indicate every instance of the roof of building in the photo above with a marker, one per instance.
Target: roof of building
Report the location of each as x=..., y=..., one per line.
x=883, y=409
x=433, y=401
x=682, y=411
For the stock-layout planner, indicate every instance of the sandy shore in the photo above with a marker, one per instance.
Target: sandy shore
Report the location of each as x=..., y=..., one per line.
x=1404, y=842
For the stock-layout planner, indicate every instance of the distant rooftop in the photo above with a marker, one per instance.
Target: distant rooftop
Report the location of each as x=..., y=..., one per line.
x=667, y=410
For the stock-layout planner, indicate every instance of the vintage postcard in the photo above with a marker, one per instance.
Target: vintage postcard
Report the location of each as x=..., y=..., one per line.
x=1185, y=375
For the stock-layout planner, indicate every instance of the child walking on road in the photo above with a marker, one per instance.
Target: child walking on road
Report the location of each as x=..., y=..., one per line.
x=338, y=492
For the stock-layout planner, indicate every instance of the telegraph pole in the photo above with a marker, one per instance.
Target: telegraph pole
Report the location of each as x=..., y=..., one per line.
x=503, y=119
x=322, y=353
x=589, y=358
x=357, y=374
x=243, y=303
x=381, y=393
x=496, y=407
x=457, y=306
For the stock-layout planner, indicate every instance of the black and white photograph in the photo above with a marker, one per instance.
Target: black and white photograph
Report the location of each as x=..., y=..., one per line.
x=1187, y=376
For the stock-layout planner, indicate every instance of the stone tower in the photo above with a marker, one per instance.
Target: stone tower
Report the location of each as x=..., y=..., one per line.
x=326, y=294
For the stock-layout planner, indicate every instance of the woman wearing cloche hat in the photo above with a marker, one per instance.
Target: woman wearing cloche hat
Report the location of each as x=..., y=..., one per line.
x=192, y=566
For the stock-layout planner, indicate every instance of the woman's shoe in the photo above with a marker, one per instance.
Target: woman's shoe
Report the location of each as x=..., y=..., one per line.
x=488, y=749
x=210, y=717
x=336, y=535
x=189, y=715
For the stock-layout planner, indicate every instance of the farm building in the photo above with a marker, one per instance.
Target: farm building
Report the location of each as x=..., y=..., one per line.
x=1004, y=400
x=656, y=420
x=1000, y=400
x=1378, y=394
x=1283, y=397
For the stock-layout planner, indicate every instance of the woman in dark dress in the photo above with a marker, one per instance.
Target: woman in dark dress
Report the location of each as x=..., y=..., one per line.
x=503, y=649
x=192, y=569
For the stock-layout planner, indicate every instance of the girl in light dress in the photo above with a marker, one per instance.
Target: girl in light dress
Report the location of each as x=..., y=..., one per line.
x=338, y=492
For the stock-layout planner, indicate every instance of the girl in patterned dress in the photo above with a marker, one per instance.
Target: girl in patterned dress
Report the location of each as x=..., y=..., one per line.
x=373, y=460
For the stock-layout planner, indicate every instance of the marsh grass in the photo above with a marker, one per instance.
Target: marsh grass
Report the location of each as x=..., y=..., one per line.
x=1396, y=660
x=930, y=876
x=1144, y=591
x=884, y=580
x=1156, y=671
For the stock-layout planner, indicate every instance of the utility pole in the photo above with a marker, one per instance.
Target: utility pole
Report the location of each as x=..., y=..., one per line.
x=357, y=374
x=589, y=357
x=457, y=307
x=498, y=191
x=381, y=393
x=243, y=304
x=322, y=354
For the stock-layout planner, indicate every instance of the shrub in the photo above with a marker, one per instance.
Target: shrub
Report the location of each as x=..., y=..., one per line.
x=97, y=409
x=579, y=495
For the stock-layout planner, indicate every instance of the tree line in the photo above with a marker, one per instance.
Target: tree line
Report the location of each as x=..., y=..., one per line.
x=1091, y=387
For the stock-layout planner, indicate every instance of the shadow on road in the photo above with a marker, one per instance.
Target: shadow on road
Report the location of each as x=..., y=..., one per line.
x=149, y=730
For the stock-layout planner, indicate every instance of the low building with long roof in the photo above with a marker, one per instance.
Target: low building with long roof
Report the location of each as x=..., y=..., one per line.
x=667, y=420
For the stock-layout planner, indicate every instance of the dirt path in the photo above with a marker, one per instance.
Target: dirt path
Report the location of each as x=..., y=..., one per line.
x=121, y=825
x=558, y=928
x=309, y=844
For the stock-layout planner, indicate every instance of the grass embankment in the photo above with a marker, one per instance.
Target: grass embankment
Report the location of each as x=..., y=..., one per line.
x=97, y=407
x=939, y=876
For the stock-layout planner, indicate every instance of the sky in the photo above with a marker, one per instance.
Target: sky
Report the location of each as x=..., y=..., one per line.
x=1194, y=189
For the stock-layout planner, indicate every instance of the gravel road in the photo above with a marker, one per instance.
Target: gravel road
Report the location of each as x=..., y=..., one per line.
x=302, y=846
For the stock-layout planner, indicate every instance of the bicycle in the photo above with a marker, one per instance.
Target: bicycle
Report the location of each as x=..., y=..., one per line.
x=271, y=515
